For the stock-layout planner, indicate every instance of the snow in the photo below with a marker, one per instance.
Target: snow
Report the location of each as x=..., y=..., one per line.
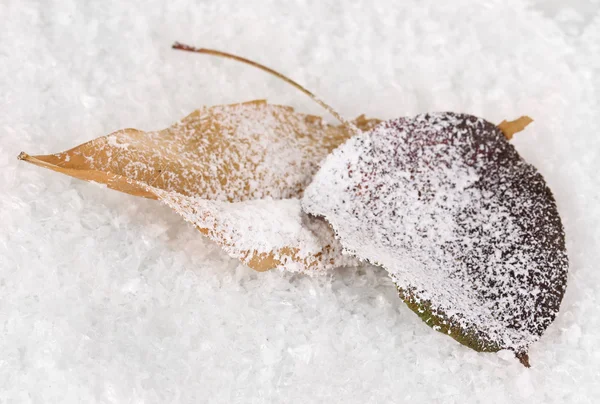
x=111, y=298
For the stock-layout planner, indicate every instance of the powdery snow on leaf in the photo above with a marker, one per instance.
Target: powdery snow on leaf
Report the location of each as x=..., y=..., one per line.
x=264, y=234
x=467, y=229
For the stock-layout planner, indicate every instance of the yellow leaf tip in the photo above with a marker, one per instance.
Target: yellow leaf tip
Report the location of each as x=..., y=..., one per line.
x=509, y=128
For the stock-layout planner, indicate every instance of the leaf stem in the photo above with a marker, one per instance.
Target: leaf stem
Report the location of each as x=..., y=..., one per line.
x=213, y=52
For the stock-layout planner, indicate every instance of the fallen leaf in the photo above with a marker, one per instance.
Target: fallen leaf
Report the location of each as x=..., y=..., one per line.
x=468, y=230
x=233, y=153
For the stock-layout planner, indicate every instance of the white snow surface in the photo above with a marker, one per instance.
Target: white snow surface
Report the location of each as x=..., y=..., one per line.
x=105, y=297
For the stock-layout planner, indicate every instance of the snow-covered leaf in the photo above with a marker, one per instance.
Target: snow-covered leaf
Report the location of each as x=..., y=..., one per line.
x=213, y=166
x=468, y=230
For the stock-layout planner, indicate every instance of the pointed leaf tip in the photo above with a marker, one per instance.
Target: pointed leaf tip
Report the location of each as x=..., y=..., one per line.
x=509, y=128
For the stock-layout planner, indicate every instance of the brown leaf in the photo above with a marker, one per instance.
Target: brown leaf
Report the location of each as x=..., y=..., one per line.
x=230, y=153
x=512, y=127
x=218, y=155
